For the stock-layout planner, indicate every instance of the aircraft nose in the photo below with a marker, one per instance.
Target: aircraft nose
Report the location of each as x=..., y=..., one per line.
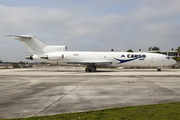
x=173, y=62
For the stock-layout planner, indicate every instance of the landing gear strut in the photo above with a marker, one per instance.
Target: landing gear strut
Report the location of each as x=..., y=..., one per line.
x=90, y=69
x=57, y=66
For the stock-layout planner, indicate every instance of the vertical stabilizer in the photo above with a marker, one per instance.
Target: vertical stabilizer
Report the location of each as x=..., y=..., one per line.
x=34, y=45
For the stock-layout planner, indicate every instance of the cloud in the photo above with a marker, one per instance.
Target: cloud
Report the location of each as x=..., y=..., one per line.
x=30, y=18
x=139, y=24
x=161, y=11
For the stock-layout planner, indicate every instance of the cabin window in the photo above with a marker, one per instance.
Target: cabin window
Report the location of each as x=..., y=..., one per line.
x=172, y=54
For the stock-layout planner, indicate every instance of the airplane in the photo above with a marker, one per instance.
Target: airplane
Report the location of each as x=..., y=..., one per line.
x=92, y=60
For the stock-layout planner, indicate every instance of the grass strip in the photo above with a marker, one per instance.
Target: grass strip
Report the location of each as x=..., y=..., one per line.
x=167, y=111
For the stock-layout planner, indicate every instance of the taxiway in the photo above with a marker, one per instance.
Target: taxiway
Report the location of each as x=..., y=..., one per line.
x=48, y=91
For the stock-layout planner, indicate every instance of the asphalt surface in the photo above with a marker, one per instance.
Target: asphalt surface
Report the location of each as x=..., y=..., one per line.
x=48, y=91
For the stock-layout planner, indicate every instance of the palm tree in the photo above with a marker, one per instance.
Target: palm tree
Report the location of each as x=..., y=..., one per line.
x=178, y=50
x=130, y=50
x=153, y=48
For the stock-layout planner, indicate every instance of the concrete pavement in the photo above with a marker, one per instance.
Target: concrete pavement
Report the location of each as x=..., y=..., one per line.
x=46, y=91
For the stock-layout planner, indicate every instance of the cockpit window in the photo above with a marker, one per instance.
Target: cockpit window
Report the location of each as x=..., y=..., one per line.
x=168, y=58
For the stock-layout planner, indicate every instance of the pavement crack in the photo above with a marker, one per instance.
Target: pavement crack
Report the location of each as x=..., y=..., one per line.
x=61, y=98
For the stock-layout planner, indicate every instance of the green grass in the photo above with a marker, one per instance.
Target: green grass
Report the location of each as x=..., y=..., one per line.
x=167, y=111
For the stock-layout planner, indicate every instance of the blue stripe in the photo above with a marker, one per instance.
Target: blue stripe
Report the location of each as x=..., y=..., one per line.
x=124, y=61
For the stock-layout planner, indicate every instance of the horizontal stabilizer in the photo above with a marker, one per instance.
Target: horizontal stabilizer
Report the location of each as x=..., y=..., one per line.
x=31, y=43
x=35, y=46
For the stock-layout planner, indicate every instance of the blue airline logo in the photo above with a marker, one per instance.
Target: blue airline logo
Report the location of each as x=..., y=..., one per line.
x=136, y=56
x=122, y=56
x=133, y=56
x=124, y=61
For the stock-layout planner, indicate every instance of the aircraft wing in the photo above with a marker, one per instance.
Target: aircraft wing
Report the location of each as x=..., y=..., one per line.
x=97, y=63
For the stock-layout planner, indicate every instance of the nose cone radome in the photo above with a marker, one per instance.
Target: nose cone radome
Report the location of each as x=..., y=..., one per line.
x=173, y=62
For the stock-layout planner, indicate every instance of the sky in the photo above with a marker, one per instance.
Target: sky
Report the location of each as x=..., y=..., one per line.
x=89, y=25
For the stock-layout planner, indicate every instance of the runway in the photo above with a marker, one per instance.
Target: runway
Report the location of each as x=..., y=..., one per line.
x=47, y=91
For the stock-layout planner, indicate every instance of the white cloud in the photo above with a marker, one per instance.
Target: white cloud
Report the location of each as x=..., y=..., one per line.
x=30, y=18
x=145, y=24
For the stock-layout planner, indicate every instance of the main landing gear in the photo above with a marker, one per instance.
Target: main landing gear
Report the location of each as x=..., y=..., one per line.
x=159, y=69
x=90, y=69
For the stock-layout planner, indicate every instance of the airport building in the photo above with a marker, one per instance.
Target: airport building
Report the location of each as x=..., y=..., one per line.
x=171, y=53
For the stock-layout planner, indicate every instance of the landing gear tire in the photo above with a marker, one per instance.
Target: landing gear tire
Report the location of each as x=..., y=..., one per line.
x=87, y=70
x=159, y=69
x=90, y=69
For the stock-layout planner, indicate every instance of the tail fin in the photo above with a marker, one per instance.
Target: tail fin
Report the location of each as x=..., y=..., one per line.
x=35, y=46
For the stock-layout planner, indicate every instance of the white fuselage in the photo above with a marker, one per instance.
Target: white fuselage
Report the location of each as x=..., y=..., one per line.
x=58, y=54
x=111, y=59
